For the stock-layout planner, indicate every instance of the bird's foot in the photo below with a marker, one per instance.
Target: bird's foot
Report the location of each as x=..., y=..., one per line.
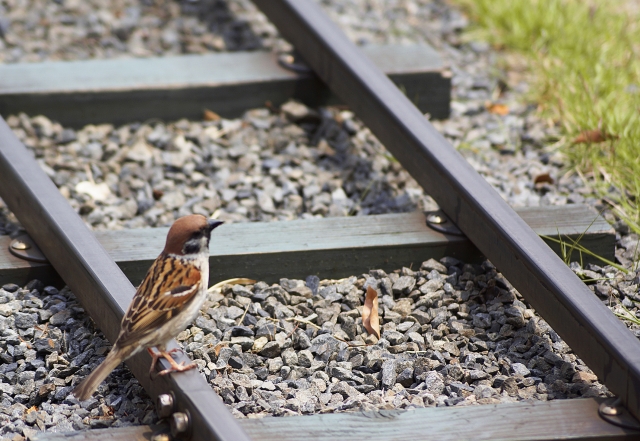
x=178, y=368
x=175, y=366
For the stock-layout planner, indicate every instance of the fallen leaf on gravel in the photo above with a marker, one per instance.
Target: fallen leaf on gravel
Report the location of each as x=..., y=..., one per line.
x=219, y=346
x=370, y=318
x=543, y=177
x=498, y=109
x=210, y=115
x=592, y=136
x=157, y=194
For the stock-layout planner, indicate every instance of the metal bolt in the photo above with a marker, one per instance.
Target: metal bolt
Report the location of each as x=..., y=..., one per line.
x=292, y=62
x=287, y=58
x=164, y=405
x=611, y=410
x=435, y=218
x=20, y=245
x=179, y=423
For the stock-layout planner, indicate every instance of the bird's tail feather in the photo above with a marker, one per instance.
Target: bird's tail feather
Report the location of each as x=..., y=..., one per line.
x=86, y=388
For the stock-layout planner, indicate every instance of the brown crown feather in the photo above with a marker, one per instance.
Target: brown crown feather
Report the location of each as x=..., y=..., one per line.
x=181, y=231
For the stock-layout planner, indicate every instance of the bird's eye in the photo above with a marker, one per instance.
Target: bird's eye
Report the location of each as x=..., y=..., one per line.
x=191, y=247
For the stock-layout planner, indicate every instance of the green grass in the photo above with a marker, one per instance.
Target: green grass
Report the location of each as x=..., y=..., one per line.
x=627, y=315
x=568, y=246
x=584, y=57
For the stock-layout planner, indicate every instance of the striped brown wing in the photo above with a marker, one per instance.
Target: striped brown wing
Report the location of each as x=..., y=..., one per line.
x=165, y=291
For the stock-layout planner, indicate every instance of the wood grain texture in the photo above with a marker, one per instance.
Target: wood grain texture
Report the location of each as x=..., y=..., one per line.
x=575, y=419
x=125, y=90
x=563, y=419
x=328, y=247
x=130, y=433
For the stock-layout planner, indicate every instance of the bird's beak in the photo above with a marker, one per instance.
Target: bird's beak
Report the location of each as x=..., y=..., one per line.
x=213, y=223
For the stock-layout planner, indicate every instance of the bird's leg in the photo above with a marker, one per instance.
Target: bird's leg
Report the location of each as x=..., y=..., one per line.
x=154, y=360
x=175, y=367
x=159, y=352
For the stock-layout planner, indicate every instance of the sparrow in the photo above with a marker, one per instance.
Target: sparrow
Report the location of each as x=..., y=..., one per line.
x=165, y=303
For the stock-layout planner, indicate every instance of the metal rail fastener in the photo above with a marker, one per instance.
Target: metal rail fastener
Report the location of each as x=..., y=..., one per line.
x=592, y=331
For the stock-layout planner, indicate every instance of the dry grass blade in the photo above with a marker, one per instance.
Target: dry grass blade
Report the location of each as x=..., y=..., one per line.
x=236, y=281
x=306, y=321
x=370, y=318
x=241, y=319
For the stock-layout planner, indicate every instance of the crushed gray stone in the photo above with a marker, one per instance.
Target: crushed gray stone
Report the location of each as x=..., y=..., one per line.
x=47, y=345
x=41, y=30
x=492, y=348
x=149, y=175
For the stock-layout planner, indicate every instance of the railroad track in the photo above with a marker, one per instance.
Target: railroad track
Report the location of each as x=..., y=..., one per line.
x=496, y=231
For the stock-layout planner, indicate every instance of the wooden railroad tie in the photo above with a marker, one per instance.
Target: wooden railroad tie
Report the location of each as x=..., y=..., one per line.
x=573, y=419
x=327, y=247
x=120, y=91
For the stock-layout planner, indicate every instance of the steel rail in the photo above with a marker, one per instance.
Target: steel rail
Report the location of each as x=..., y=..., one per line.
x=590, y=329
x=99, y=284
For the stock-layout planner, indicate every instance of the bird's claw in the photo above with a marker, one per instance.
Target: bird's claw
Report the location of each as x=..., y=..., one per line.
x=175, y=367
x=178, y=368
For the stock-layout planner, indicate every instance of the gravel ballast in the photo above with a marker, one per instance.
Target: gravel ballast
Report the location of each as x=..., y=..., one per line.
x=41, y=30
x=260, y=168
x=453, y=334
x=47, y=345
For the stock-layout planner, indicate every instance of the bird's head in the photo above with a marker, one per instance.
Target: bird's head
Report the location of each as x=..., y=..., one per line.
x=190, y=235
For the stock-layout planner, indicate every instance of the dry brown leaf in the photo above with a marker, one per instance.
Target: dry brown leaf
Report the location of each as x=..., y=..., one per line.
x=498, y=109
x=592, y=136
x=370, y=318
x=210, y=115
x=219, y=347
x=157, y=194
x=543, y=177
